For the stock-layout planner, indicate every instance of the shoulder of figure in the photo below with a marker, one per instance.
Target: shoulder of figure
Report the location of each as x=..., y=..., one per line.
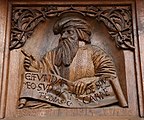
x=50, y=54
x=95, y=49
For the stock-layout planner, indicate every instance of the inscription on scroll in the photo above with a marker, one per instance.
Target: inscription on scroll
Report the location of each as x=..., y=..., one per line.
x=48, y=87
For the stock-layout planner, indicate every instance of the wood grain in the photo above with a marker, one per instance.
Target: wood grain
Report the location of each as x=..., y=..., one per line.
x=3, y=56
x=10, y=82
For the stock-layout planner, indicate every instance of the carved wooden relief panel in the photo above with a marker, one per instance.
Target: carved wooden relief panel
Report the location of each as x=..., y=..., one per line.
x=71, y=57
x=76, y=73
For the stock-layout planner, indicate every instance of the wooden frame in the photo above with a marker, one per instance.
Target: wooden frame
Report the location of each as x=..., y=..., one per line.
x=134, y=59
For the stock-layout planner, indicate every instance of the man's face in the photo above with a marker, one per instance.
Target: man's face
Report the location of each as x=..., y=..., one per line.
x=69, y=33
x=67, y=47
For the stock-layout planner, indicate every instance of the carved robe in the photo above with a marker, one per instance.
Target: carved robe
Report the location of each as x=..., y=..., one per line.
x=91, y=64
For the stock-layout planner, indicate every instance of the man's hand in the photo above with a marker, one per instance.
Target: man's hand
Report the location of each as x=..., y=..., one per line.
x=27, y=63
x=81, y=85
x=28, y=60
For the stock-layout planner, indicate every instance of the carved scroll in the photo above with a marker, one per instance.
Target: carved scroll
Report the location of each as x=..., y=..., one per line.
x=117, y=20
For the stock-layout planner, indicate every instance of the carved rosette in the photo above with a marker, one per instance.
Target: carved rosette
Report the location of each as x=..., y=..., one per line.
x=117, y=20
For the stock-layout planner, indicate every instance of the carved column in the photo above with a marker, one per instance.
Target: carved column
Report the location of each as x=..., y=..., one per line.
x=3, y=48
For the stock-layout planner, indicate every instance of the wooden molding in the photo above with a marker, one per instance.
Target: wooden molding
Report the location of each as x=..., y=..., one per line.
x=4, y=55
x=134, y=59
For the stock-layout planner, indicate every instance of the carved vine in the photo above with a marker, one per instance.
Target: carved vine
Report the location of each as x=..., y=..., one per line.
x=117, y=20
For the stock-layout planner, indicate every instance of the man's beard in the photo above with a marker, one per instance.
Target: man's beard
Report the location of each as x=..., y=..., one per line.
x=66, y=51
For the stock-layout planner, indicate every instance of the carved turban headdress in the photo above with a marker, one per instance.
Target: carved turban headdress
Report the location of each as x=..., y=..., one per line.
x=80, y=25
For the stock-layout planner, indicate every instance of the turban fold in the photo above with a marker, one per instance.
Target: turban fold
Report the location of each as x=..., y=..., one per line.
x=81, y=26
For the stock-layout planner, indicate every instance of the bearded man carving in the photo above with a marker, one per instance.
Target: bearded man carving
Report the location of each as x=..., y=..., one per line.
x=76, y=60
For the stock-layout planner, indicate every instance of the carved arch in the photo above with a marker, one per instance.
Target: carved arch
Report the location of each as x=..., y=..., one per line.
x=117, y=20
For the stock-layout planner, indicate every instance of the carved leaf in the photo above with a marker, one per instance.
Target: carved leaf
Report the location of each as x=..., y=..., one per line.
x=117, y=20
